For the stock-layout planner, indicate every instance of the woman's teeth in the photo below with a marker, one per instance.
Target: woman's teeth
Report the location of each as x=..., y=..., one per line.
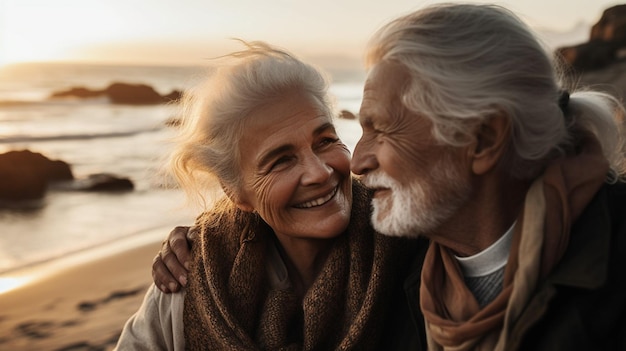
x=318, y=202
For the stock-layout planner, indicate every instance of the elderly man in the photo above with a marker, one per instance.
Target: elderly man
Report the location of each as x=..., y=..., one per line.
x=471, y=143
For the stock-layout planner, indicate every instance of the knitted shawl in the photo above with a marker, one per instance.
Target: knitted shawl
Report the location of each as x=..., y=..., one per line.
x=230, y=305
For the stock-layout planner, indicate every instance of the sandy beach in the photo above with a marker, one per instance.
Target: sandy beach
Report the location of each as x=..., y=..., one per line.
x=83, y=303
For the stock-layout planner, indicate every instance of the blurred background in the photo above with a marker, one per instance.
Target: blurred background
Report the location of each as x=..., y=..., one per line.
x=91, y=83
x=88, y=93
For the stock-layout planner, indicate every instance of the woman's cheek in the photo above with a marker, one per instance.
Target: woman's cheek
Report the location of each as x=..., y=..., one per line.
x=271, y=196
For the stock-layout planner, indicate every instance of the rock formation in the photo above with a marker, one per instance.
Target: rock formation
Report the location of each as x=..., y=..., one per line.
x=345, y=114
x=122, y=93
x=606, y=45
x=102, y=182
x=600, y=62
x=25, y=175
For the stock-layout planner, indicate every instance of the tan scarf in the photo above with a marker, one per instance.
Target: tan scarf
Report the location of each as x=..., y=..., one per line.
x=453, y=318
x=230, y=306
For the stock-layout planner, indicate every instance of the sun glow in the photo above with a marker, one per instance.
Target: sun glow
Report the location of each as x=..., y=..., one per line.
x=104, y=30
x=52, y=30
x=22, y=50
x=21, y=41
x=9, y=283
x=99, y=30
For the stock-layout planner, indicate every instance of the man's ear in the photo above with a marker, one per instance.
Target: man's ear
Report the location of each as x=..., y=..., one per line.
x=492, y=138
x=237, y=199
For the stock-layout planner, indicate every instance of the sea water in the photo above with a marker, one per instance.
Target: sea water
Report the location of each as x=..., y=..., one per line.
x=95, y=136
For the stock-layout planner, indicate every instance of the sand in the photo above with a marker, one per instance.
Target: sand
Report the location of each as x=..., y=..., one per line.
x=81, y=305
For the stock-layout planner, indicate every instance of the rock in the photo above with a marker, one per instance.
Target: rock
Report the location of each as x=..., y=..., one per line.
x=606, y=41
x=610, y=79
x=589, y=56
x=122, y=93
x=25, y=175
x=345, y=114
x=78, y=92
x=103, y=182
x=19, y=184
x=140, y=94
x=611, y=27
x=601, y=62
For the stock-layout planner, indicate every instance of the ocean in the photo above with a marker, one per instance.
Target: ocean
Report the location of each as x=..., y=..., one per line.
x=95, y=136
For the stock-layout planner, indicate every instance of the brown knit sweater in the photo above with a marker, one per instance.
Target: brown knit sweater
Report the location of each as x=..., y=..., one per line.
x=229, y=304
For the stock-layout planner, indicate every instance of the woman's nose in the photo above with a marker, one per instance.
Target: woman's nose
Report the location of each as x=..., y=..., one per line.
x=316, y=171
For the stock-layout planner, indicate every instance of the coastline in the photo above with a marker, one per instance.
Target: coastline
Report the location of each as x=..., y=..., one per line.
x=80, y=302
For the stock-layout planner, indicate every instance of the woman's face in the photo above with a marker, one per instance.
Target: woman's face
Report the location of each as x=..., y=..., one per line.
x=296, y=171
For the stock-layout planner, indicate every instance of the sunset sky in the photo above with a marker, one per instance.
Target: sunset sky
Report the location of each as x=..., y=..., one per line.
x=187, y=31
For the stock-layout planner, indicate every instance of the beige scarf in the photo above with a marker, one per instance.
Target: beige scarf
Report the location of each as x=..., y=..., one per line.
x=454, y=320
x=229, y=304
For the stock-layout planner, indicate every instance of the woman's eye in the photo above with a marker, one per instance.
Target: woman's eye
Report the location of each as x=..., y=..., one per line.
x=280, y=161
x=328, y=141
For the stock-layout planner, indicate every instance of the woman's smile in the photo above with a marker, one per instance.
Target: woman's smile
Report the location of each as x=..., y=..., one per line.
x=319, y=201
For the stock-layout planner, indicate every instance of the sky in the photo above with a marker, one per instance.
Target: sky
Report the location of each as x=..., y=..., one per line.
x=189, y=31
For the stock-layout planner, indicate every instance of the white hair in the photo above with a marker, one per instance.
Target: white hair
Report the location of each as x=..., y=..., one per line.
x=470, y=62
x=206, y=156
x=422, y=205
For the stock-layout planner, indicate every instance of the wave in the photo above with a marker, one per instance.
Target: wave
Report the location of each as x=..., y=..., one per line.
x=70, y=137
x=55, y=102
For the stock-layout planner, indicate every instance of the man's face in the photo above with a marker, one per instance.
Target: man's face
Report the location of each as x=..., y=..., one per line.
x=419, y=183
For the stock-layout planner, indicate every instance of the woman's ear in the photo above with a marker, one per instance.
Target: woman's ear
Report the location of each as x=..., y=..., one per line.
x=492, y=138
x=237, y=199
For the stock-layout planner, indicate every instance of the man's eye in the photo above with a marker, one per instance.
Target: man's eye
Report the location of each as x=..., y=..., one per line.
x=378, y=130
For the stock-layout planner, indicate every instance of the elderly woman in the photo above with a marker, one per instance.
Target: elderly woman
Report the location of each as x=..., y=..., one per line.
x=286, y=259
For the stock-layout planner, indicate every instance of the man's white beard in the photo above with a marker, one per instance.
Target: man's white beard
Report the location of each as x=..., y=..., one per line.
x=420, y=207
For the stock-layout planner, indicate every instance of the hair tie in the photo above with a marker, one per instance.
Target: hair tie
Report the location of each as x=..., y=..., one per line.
x=563, y=100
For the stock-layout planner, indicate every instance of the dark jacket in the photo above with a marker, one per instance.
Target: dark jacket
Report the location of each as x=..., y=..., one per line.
x=581, y=305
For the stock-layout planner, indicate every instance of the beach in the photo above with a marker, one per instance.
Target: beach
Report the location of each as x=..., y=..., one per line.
x=76, y=266
x=99, y=136
x=81, y=305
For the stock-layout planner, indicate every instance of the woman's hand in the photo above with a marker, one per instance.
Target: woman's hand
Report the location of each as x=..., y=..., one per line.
x=170, y=266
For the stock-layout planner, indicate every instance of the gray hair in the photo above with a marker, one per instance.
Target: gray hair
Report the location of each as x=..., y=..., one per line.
x=471, y=62
x=206, y=157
